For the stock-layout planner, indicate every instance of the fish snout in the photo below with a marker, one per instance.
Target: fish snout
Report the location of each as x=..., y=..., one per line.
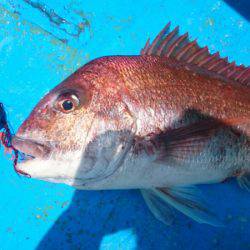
x=31, y=147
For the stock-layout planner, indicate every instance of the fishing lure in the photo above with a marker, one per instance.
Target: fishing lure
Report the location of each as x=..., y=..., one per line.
x=6, y=137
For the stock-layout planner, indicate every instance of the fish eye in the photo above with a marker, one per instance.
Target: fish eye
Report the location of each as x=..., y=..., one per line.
x=67, y=103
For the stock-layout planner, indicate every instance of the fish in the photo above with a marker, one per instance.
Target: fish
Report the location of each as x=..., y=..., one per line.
x=164, y=121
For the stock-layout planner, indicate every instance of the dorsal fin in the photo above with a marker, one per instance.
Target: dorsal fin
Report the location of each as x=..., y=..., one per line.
x=170, y=44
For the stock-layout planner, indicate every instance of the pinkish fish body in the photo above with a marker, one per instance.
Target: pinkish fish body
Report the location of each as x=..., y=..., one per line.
x=166, y=120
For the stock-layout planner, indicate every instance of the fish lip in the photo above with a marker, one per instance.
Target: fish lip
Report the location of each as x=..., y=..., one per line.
x=32, y=148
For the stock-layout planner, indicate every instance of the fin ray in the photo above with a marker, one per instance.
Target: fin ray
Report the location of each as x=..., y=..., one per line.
x=161, y=210
x=244, y=181
x=185, y=199
x=182, y=143
x=170, y=44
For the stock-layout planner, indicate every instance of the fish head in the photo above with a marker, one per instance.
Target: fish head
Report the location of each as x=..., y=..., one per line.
x=79, y=132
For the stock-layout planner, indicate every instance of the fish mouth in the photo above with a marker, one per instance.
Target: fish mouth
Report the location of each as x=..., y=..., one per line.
x=31, y=148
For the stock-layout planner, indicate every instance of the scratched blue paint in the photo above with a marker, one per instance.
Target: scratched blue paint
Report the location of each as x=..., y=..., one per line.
x=37, y=51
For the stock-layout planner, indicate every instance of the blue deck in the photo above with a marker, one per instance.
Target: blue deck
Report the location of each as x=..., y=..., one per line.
x=38, y=49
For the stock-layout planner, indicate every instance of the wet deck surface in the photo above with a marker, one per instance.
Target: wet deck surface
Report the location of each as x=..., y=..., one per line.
x=42, y=42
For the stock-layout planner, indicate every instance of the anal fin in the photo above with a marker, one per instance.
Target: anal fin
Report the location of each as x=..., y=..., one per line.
x=185, y=199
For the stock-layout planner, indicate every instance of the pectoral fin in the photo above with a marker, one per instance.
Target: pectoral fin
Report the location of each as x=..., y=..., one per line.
x=184, y=142
x=187, y=200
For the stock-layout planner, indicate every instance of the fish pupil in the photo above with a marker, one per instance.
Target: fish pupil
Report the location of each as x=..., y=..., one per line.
x=67, y=105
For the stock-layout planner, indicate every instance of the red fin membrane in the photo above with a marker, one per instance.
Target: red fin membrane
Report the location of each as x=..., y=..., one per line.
x=5, y=138
x=187, y=141
x=184, y=142
x=170, y=44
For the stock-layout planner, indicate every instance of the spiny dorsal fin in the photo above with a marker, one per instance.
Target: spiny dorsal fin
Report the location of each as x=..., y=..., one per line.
x=172, y=45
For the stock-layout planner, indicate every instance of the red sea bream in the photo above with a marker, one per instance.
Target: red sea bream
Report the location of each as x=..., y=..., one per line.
x=162, y=121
